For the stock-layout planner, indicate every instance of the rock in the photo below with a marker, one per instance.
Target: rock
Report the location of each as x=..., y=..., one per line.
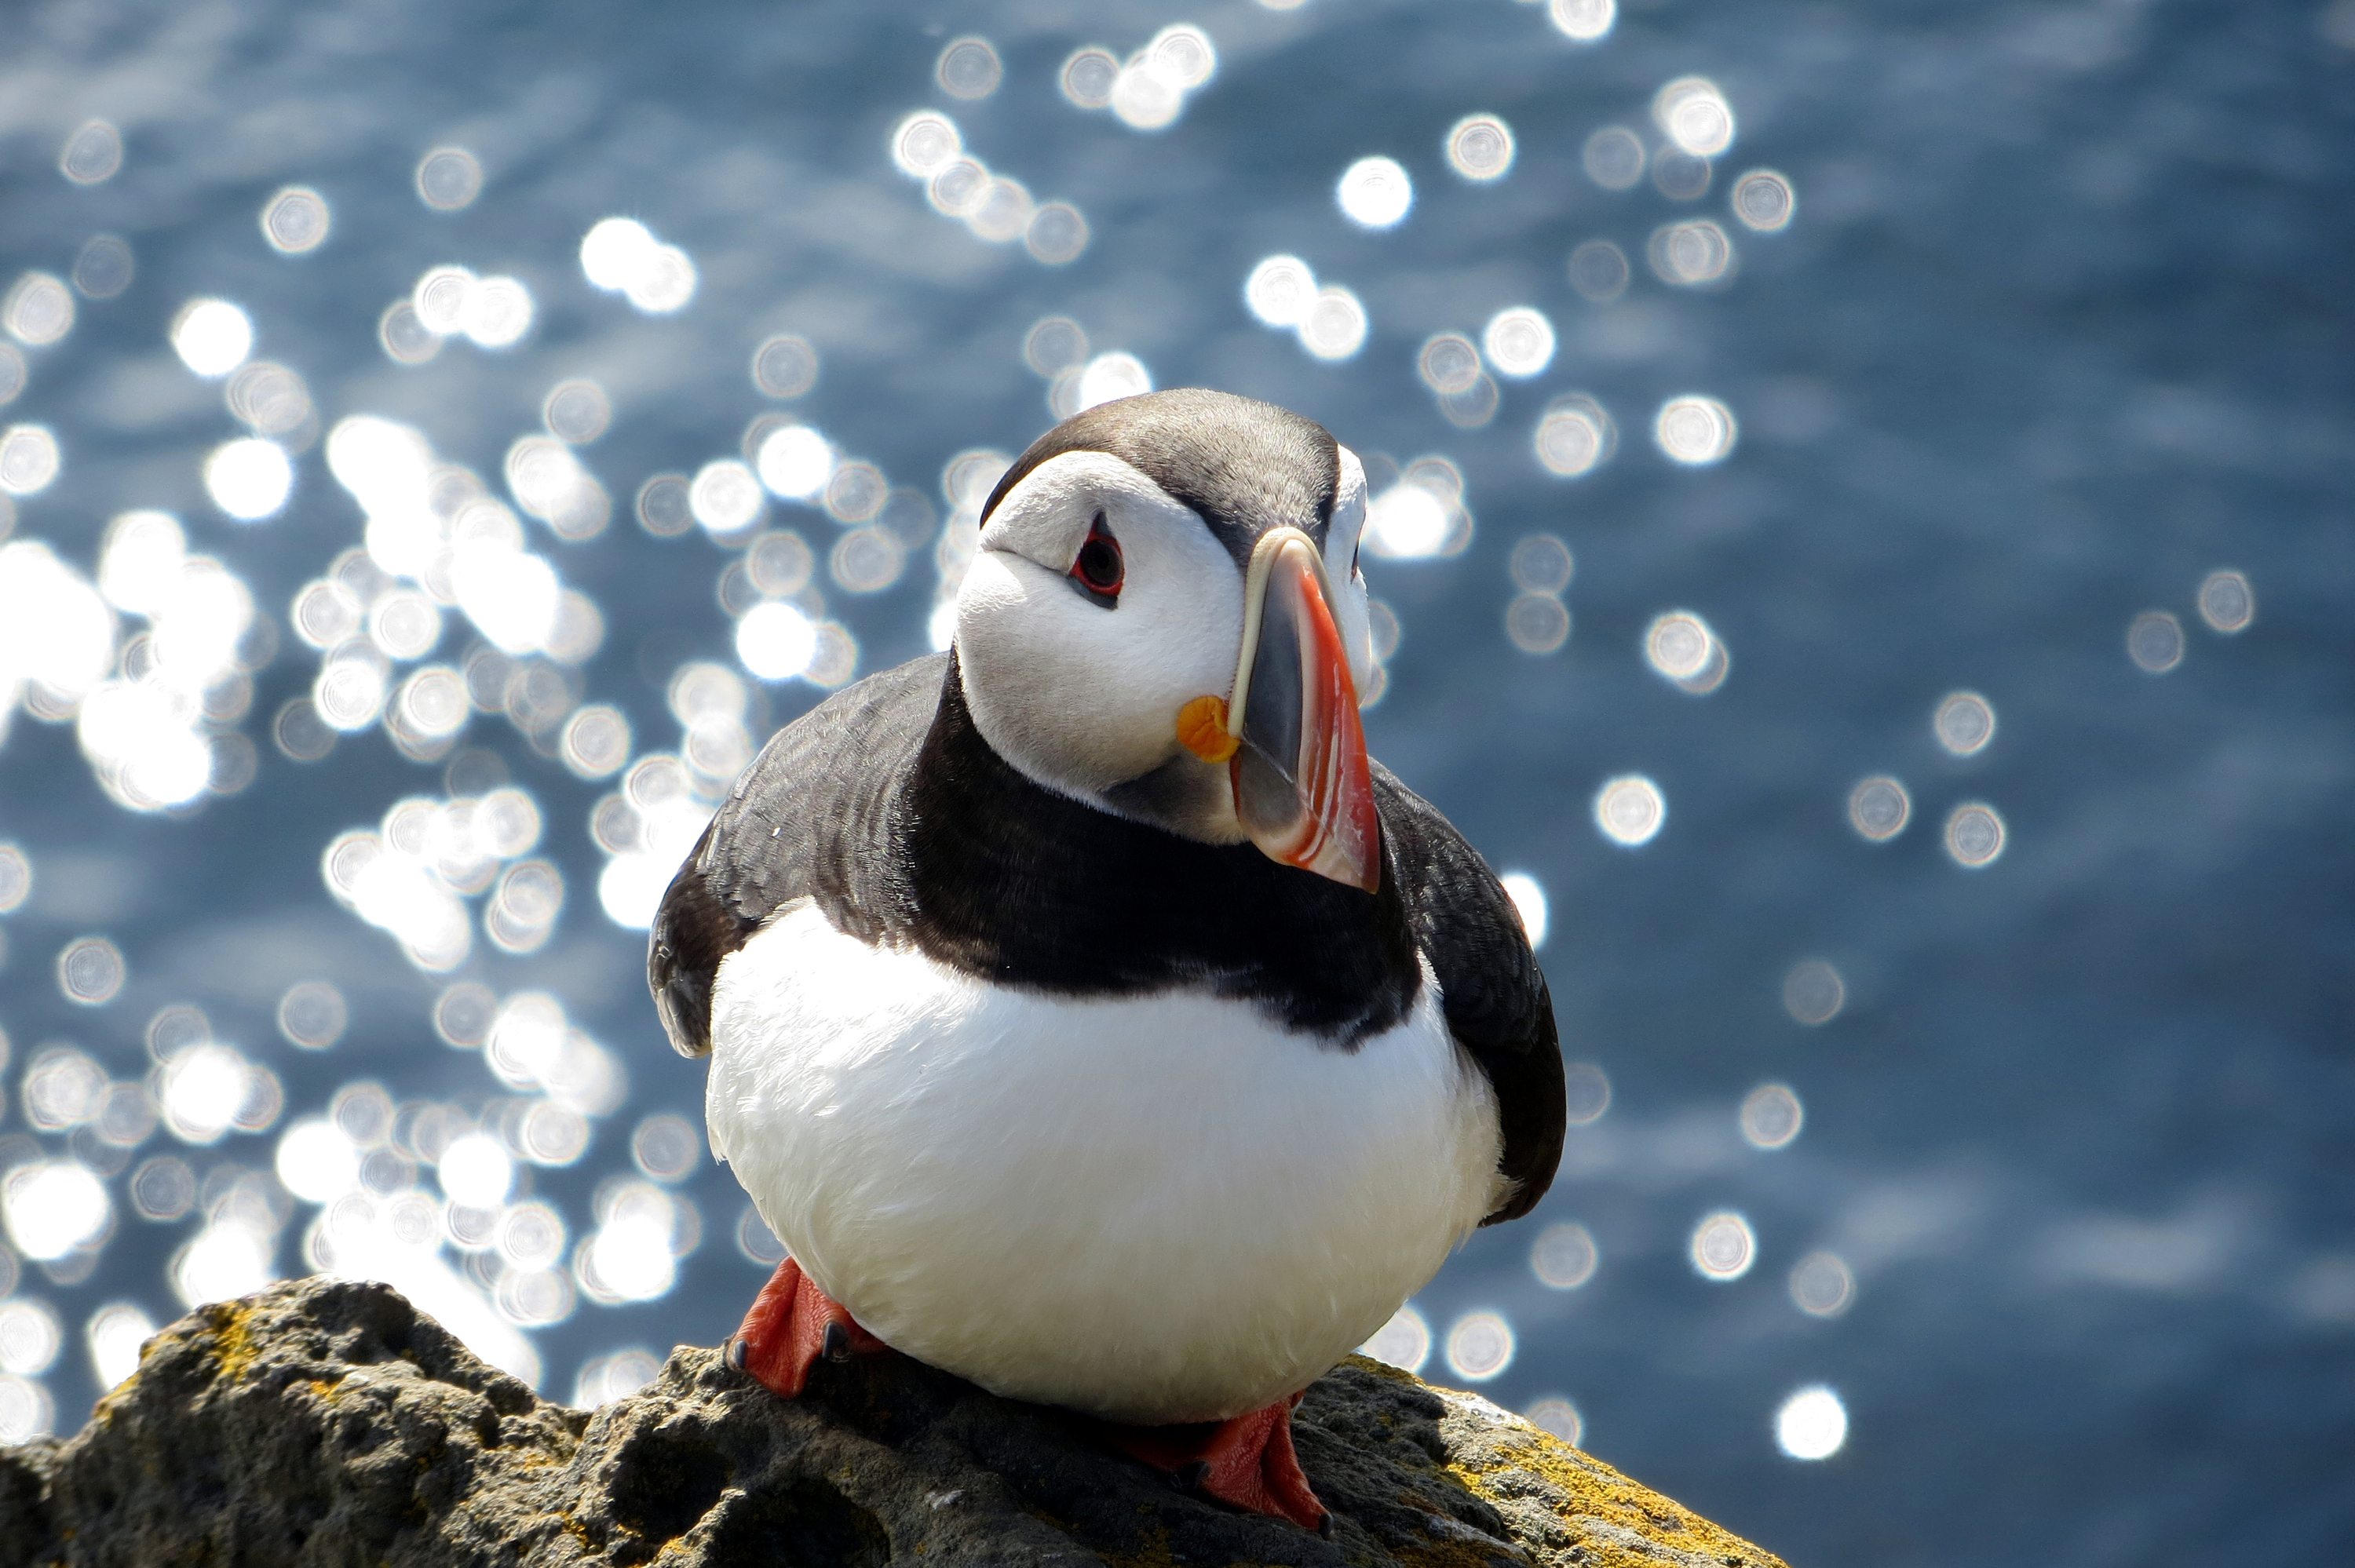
x=330, y=1422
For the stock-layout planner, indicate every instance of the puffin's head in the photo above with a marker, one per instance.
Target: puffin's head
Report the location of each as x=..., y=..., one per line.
x=1166, y=621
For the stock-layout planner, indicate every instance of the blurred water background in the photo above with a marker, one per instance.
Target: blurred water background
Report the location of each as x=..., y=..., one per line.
x=1861, y=520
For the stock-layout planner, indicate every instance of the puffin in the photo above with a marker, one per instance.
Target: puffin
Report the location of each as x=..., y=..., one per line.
x=1087, y=1014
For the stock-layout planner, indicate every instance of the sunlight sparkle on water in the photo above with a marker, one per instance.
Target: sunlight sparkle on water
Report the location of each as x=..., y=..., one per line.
x=212, y=337
x=1975, y=835
x=1693, y=113
x=1559, y=1417
x=621, y=255
x=250, y=478
x=1479, y=1346
x=1813, y=992
x=29, y=459
x=1822, y=1285
x=1564, y=1257
x=53, y=1207
x=1812, y=1424
x=2155, y=641
x=1519, y=342
x=1630, y=809
x=29, y=1337
x=1375, y=192
x=91, y=155
x=1480, y=147
x=1878, y=808
x=448, y=179
x=116, y=1331
x=2227, y=603
x=1404, y=1342
x=1964, y=723
x=969, y=68
x=1695, y=430
x=1771, y=1116
x=1763, y=200
x=295, y=220
x=1723, y=1246
x=1599, y=271
x=39, y=309
x=1529, y=897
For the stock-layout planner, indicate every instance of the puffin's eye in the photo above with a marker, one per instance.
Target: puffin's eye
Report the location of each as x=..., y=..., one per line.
x=1098, y=572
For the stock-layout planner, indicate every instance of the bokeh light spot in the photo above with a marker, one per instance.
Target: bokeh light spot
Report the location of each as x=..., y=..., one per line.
x=1812, y=1424
x=1964, y=723
x=785, y=365
x=1813, y=992
x=1763, y=200
x=91, y=971
x=250, y=478
x=91, y=155
x=1479, y=1346
x=1480, y=147
x=39, y=309
x=212, y=337
x=1771, y=1116
x=1613, y=158
x=1529, y=897
x=1723, y=1246
x=1975, y=835
x=2227, y=603
x=1564, y=1257
x=969, y=69
x=1519, y=342
x=1375, y=192
x=1822, y=1285
x=1537, y=623
x=448, y=179
x=2155, y=641
x=1554, y=1413
x=312, y=1014
x=1630, y=809
x=1878, y=808
x=1599, y=271
x=1693, y=113
x=1694, y=430
x=295, y=220
x=1404, y=1342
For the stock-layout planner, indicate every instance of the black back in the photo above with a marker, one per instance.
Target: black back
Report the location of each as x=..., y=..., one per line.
x=886, y=806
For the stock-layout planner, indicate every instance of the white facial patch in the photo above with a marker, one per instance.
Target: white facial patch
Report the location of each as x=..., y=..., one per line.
x=1078, y=696
x=1348, y=584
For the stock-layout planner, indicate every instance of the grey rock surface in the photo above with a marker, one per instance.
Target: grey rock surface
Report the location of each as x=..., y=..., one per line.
x=329, y=1422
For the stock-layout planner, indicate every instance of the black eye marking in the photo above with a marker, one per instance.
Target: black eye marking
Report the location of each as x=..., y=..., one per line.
x=1098, y=570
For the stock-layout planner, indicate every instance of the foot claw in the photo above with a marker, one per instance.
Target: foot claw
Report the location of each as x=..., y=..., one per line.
x=1190, y=1477
x=792, y=1326
x=1324, y=1526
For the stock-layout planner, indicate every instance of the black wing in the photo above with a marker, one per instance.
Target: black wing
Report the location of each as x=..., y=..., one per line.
x=808, y=819
x=1491, y=989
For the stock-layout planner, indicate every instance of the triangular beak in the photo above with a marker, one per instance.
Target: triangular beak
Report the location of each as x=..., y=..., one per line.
x=1304, y=792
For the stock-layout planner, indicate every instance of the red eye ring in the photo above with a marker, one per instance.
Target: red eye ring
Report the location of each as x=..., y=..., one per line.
x=1098, y=569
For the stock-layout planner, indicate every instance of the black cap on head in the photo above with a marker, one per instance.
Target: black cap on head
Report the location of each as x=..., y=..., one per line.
x=1244, y=466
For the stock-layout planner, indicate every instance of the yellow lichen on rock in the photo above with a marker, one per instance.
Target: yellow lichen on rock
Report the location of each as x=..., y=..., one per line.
x=1554, y=1492
x=233, y=1347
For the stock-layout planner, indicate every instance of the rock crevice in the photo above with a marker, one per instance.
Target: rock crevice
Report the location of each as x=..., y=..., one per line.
x=329, y=1422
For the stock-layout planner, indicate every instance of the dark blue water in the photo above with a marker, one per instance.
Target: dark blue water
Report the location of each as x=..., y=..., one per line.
x=2057, y=329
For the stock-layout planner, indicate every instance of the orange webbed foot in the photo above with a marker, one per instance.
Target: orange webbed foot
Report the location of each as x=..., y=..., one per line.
x=792, y=1325
x=1246, y=1461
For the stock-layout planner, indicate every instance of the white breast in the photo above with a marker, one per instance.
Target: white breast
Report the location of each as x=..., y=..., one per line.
x=1154, y=1209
